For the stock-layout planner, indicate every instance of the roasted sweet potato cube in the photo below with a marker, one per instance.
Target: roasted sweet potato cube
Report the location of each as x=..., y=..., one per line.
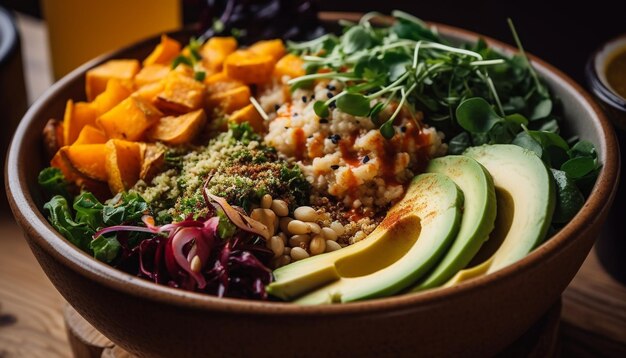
x=164, y=53
x=61, y=161
x=130, y=119
x=77, y=115
x=91, y=135
x=230, y=100
x=88, y=159
x=215, y=50
x=97, y=187
x=289, y=65
x=123, y=164
x=274, y=48
x=248, y=114
x=181, y=93
x=152, y=160
x=114, y=93
x=52, y=136
x=219, y=82
x=249, y=67
x=98, y=77
x=178, y=130
x=150, y=74
x=150, y=91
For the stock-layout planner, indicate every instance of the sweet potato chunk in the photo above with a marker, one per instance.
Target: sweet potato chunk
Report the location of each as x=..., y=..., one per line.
x=219, y=82
x=274, y=48
x=150, y=91
x=77, y=115
x=123, y=163
x=249, y=67
x=88, y=159
x=181, y=93
x=215, y=51
x=150, y=74
x=164, y=53
x=91, y=135
x=61, y=161
x=230, y=100
x=178, y=130
x=98, y=77
x=289, y=65
x=52, y=136
x=114, y=93
x=248, y=114
x=152, y=160
x=130, y=119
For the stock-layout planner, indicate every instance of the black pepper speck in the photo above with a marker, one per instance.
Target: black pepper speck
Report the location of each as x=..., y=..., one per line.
x=403, y=129
x=331, y=87
x=366, y=159
x=276, y=107
x=334, y=167
x=304, y=99
x=323, y=120
x=329, y=95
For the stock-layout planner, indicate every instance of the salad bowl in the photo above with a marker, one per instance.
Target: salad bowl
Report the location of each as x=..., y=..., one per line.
x=479, y=317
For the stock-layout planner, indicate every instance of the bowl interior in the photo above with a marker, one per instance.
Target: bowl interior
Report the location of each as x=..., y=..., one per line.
x=25, y=162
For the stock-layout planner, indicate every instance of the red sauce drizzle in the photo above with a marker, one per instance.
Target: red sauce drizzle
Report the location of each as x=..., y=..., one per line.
x=300, y=142
x=350, y=157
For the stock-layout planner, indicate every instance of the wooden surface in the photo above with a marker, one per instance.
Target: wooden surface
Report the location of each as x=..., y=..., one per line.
x=593, y=319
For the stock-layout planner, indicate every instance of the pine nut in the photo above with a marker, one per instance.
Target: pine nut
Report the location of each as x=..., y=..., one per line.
x=284, y=222
x=282, y=261
x=332, y=246
x=329, y=234
x=299, y=240
x=265, y=217
x=297, y=227
x=317, y=245
x=298, y=253
x=276, y=245
x=196, y=264
x=280, y=207
x=315, y=228
x=338, y=228
x=266, y=201
x=305, y=213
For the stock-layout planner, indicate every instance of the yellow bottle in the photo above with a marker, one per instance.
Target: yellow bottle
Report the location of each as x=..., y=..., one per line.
x=80, y=30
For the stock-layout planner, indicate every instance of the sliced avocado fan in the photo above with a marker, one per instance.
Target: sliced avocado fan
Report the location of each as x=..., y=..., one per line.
x=479, y=215
x=526, y=198
x=407, y=243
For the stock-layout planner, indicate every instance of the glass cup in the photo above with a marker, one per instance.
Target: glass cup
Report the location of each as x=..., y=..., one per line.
x=80, y=30
x=611, y=246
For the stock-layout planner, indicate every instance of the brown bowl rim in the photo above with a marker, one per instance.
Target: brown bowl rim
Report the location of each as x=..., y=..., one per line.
x=36, y=226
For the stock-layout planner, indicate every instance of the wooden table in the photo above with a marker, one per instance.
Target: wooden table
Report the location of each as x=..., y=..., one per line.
x=593, y=321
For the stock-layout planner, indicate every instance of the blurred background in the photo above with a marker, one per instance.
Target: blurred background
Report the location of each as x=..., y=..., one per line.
x=52, y=37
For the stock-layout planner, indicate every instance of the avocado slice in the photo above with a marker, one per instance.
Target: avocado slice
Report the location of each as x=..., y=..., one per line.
x=406, y=244
x=479, y=215
x=526, y=198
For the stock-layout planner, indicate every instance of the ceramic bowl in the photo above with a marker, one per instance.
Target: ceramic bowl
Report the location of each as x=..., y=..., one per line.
x=476, y=318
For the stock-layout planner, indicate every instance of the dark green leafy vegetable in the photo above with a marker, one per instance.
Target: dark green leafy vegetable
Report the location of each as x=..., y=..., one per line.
x=476, y=115
x=104, y=248
x=90, y=216
x=60, y=216
x=53, y=182
x=354, y=104
x=570, y=199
